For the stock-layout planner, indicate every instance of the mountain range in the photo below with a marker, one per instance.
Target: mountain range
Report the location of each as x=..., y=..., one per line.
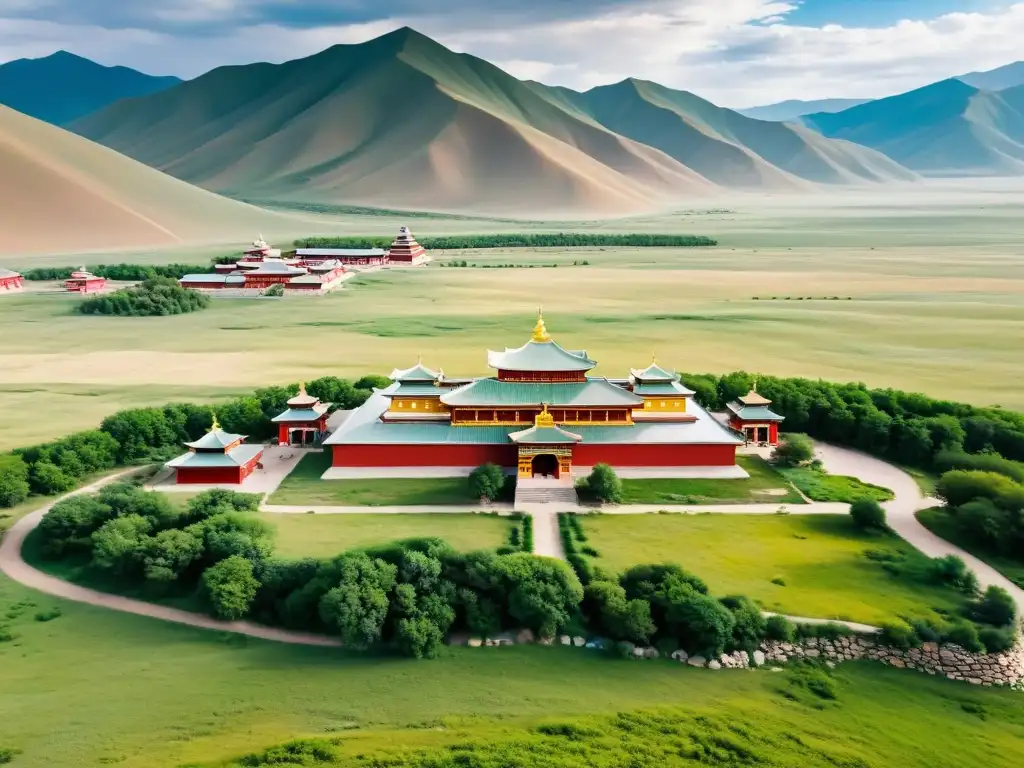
x=794, y=109
x=63, y=87
x=403, y=121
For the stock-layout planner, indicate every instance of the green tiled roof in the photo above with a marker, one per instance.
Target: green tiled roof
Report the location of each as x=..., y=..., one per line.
x=216, y=439
x=754, y=412
x=364, y=427
x=654, y=372
x=418, y=372
x=238, y=457
x=416, y=389
x=491, y=392
x=662, y=389
x=540, y=356
x=544, y=436
x=302, y=414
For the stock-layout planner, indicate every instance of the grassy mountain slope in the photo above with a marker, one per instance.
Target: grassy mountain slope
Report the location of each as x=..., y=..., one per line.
x=997, y=79
x=402, y=121
x=62, y=192
x=793, y=109
x=947, y=128
x=727, y=147
x=63, y=87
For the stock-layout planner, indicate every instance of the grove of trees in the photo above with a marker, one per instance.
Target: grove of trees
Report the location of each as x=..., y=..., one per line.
x=155, y=296
x=125, y=272
x=529, y=240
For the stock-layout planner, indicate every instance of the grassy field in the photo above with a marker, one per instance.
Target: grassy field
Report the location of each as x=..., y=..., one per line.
x=763, y=485
x=941, y=523
x=821, y=561
x=328, y=535
x=173, y=695
x=819, y=486
x=304, y=486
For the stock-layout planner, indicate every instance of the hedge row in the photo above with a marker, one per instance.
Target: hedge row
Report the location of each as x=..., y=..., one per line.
x=126, y=272
x=529, y=240
x=156, y=296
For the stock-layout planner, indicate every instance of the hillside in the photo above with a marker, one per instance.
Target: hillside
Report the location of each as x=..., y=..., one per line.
x=63, y=87
x=947, y=128
x=62, y=192
x=794, y=109
x=997, y=79
x=402, y=121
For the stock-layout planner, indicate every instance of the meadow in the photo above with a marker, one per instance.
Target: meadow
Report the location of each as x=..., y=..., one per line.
x=92, y=687
x=764, y=485
x=817, y=566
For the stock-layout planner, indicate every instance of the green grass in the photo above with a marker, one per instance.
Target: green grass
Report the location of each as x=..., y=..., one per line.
x=146, y=694
x=819, y=486
x=329, y=535
x=763, y=479
x=939, y=521
x=821, y=560
x=926, y=481
x=304, y=486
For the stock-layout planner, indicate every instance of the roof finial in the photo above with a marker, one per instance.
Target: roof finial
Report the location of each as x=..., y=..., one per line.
x=540, y=331
x=544, y=419
x=754, y=388
x=302, y=389
x=216, y=424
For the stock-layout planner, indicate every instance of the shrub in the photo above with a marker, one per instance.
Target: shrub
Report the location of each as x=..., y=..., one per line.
x=70, y=523
x=14, y=487
x=983, y=462
x=611, y=613
x=749, y=625
x=357, y=607
x=48, y=615
x=966, y=636
x=984, y=522
x=899, y=634
x=868, y=514
x=119, y=545
x=604, y=484
x=997, y=639
x=155, y=296
x=230, y=587
x=793, y=451
x=995, y=607
x=276, y=290
x=487, y=482
x=779, y=628
x=958, y=487
x=700, y=623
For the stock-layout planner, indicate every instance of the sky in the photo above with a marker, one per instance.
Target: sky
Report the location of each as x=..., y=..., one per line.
x=737, y=53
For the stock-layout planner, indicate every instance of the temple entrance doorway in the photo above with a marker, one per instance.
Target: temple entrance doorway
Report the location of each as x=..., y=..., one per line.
x=545, y=465
x=302, y=437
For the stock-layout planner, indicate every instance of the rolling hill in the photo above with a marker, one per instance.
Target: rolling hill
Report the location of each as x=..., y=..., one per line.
x=948, y=128
x=794, y=109
x=402, y=121
x=998, y=79
x=63, y=87
x=62, y=192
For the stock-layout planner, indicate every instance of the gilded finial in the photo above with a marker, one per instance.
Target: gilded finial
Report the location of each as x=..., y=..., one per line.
x=540, y=331
x=754, y=388
x=302, y=389
x=544, y=419
x=216, y=424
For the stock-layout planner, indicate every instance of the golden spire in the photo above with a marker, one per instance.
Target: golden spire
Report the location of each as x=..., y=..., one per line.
x=216, y=424
x=544, y=419
x=540, y=331
x=302, y=389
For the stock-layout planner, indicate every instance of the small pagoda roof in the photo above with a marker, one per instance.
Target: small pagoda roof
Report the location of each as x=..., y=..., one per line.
x=662, y=389
x=752, y=398
x=276, y=267
x=302, y=399
x=8, y=273
x=590, y=393
x=312, y=413
x=416, y=389
x=754, y=412
x=418, y=372
x=654, y=372
x=215, y=439
x=540, y=354
x=545, y=432
x=236, y=457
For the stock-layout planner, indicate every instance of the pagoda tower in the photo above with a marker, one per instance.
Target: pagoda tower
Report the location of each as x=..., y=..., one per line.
x=752, y=415
x=405, y=250
x=305, y=421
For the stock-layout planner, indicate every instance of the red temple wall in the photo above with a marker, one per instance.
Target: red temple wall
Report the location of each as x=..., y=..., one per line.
x=283, y=429
x=196, y=476
x=584, y=455
x=455, y=455
x=8, y=283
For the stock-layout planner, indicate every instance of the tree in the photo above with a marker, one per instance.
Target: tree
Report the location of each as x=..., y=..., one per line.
x=48, y=479
x=541, y=594
x=170, y=553
x=358, y=606
x=996, y=607
x=217, y=501
x=961, y=486
x=749, y=625
x=71, y=523
x=868, y=514
x=984, y=522
x=487, y=482
x=419, y=637
x=14, y=487
x=119, y=544
x=235, y=534
x=604, y=484
x=230, y=587
x=139, y=432
x=700, y=623
x=372, y=381
x=245, y=416
x=610, y=612
x=793, y=451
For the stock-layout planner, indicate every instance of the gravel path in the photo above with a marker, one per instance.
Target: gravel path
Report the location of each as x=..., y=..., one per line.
x=547, y=540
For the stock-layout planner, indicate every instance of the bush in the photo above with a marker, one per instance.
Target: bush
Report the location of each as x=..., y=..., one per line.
x=899, y=634
x=609, y=612
x=951, y=571
x=604, y=484
x=779, y=628
x=997, y=639
x=155, y=296
x=69, y=525
x=749, y=625
x=487, y=482
x=995, y=607
x=230, y=587
x=868, y=515
x=983, y=462
x=958, y=487
x=966, y=636
x=14, y=487
x=793, y=451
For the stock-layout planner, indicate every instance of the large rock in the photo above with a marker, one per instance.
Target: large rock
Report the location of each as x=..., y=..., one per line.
x=524, y=636
x=565, y=640
x=579, y=642
x=757, y=658
x=714, y=664
x=475, y=642
x=697, y=661
x=651, y=653
x=680, y=655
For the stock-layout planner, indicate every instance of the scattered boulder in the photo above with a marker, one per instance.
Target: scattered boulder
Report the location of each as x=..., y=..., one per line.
x=565, y=640
x=697, y=661
x=680, y=655
x=638, y=653
x=714, y=664
x=579, y=642
x=651, y=653
x=524, y=636
x=757, y=658
x=475, y=642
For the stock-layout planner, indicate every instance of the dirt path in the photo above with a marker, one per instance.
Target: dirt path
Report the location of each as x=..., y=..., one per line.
x=12, y=564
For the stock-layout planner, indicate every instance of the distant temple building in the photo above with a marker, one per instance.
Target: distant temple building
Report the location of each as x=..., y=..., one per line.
x=542, y=415
x=305, y=421
x=83, y=281
x=217, y=457
x=10, y=280
x=752, y=416
x=260, y=250
x=404, y=251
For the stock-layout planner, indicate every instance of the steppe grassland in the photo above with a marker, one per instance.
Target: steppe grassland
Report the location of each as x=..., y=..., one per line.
x=936, y=283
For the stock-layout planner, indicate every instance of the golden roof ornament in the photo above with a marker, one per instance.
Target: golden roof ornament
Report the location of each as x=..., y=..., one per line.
x=302, y=389
x=540, y=331
x=216, y=424
x=544, y=419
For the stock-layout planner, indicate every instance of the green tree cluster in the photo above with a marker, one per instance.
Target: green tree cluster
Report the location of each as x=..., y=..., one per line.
x=988, y=507
x=125, y=272
x=155, y=296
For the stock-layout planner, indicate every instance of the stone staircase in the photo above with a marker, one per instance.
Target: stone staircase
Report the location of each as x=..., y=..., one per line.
x=534, y=491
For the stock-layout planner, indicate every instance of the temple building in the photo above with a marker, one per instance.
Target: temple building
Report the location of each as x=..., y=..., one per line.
x=305, y=421
x=84, y=281
x=540, y=415
x=260, y=250
x=10, y=280
x=406, y=251
x=255, y=277
x=752, y=416
x=350, y=257
x=218, y=457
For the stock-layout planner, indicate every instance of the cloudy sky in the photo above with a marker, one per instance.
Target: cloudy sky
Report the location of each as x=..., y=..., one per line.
x=735, y=52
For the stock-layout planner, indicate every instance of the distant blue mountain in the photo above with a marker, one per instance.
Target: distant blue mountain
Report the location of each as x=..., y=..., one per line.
x=64, y=87
x=794, y=109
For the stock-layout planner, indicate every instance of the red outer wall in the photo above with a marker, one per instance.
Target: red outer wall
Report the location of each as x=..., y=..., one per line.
x=218, y=475
x=507, y=455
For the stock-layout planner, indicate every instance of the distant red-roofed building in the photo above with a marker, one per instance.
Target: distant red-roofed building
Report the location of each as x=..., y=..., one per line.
x=10, y=280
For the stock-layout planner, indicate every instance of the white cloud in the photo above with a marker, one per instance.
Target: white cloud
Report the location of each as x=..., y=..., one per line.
x=734, y=52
